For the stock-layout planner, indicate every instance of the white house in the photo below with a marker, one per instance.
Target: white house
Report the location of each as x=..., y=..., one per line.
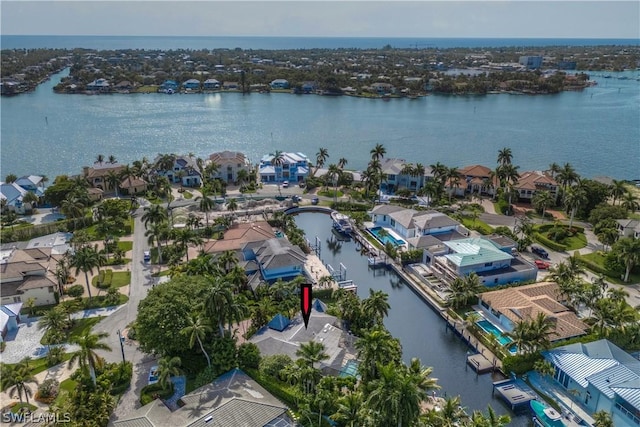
x=294, y=167
x=11, y=195
x=604, y=377
x=410, y=223
x=185, y=171
x=229, y=164
x=629, y=228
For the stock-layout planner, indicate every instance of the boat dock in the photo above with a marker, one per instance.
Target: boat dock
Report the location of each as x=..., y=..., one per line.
x=479, y=363
x=516, y=393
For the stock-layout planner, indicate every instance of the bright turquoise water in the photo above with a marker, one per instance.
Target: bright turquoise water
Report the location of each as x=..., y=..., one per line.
x=384, y=239
x=597, y=130
x=490, y=328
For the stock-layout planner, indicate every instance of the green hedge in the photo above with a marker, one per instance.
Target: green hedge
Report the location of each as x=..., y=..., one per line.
x=148, y=392
x=520, y=364
x=594, y=266
x=548, y=242
x=275, y=387
x=347, y=206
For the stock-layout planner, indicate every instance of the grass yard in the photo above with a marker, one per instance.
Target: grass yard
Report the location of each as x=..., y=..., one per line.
x=578, y=241
x=478, y=225
x=39, y=365
x=331, y=193
x=187, y=195
x=79, y=328
x=66, y=387
x=125, y=245
x=147, y=89
x=113, y=278
x=18, y=407
x=598, y=258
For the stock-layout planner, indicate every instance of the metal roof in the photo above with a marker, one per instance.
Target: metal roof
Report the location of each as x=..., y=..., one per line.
x=474, y=251
x=579, y=366
x=616, y=375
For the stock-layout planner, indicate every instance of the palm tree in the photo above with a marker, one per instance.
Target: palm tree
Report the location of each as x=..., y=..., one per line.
x=157, y=232
x=567, y=176
x=154, y=214
x=85, y=259
x=16, y=378
x=505, y=156
x=574, y=197
x=99, y=159
x=31, y=199
x=185, y=237
x=312, y=352
x=540, y=329
x=376, y=306
x=165, y=162
x=602, y=419
x=321, y=156
x=218, y=302
x=617, y=190
x=113, y=180
x=628, y=251
x=168, y=367
x=196, y=329
x=630, y=202
x=54, y=322
x=478, y=419
x=206, y=204
x=542, y=200
x=227, y=260
x=453, y=176
x=509, y=177
x=349, y=409
x=232, y=205
x=376, y=347
x=342, y=162
x=554, y=169
x=86, y=357
x=378, y=152
x=333, y=174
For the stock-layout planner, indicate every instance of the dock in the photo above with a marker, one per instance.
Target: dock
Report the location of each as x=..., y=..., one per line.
x=515, y=393
x=479, y=363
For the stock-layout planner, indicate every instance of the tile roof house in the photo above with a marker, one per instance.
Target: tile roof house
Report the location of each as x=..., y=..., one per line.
x=294, y=168
x=233, y=399
x=229, y=164
x=604, y=377
x=97, y=175
x=133, y=185
x=476, y=179
x=507, y=307
x=185, y=170
x=629, y=228
x=322, y=328
x=532, y=181
x=239, y=235
x=24, y=274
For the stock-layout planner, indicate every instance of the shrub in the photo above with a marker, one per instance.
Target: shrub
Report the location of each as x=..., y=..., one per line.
x=520, y=364
x=154, y=391
x=119, y=375
x=55, y=356
x=248, y=356
x=75, y=291
x=549, y=243
x=272, y=365
x=48, y=390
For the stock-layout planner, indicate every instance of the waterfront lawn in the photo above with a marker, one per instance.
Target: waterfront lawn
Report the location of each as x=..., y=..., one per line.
x=147, y=89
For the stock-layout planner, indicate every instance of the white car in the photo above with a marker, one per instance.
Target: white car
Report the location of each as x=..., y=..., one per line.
x=285, y=184
x=147, y=256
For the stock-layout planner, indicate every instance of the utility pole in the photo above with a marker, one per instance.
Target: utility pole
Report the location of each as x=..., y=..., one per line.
x=121, y=339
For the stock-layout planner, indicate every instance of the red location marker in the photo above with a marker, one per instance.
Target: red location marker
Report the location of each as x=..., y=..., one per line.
x=305, y=302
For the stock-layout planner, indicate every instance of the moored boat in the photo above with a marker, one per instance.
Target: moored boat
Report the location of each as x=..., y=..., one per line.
x=341, y=222
x=546, y=416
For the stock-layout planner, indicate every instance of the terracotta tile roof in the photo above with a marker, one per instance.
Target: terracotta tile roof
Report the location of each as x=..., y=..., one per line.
x=524, y=303
x=235, y=238
x=132, y=182
x=475, y=171
x=99, y=171
x=535, y=180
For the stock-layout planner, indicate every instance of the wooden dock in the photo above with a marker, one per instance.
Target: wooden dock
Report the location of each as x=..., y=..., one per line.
x=479, y=363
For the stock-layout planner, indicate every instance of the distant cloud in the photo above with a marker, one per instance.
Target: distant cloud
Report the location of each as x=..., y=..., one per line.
x=515, y=18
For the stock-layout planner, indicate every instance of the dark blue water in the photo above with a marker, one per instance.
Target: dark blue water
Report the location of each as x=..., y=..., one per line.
x=274, y=43
x=420, y=330
x=597, y=130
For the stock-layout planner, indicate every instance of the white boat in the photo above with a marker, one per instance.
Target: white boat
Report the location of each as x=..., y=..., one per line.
x=341, y=222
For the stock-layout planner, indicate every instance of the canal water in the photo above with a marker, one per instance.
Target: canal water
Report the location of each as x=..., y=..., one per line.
x=420, y=330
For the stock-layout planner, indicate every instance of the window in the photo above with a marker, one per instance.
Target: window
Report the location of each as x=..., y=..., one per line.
x=17, y=299
x=393, y=222
x=488, y=264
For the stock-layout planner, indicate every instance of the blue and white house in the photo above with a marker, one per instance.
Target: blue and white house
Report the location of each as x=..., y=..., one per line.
x=11, y=195
x=33, y=183
x=605, y=377
x=395, y=176
x=211, y=84
x=169, y=85
x=191, y=84
x=9, y=318
x=294, y=168
x=279, y=84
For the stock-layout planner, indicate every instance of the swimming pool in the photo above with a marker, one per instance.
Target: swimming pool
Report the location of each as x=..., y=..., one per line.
x=350, y=369
x=386, y=238
x=491, y=329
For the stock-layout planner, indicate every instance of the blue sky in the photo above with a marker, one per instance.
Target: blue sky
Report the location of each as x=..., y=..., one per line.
x=501, y=19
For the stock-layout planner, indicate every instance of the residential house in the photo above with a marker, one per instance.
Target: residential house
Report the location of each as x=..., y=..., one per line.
x=231, y=86
x=383, y=88
x=629, y=228
x=236, y=237
x=11, y=195
x=410, y=223
x=229, y=164
x=309, y=87
x=475, y=179
x=273, y=259
x=169, y=85
x=485, y=257
x=294, y=168
x=33, y=183
x=24, y=275
x=97, y=175
x=279, y=84
x=233, y=399
x=508, y=307
x=600, y=377
x=532, y=181
x=185, y=171
x=282, y=336
x=124, y=86
x=133, y=185
x=9, y=318
x=191, y=84
x=211, y=84
x=99, y=85
x=395, y=177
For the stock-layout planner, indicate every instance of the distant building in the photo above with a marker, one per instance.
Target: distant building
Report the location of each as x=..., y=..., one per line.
x=9, y=318
x=396, y=177
x=229, y=164
x=211, y=84
x=191, y=84
x=97, y=175
x=294, y=167
x=567, y=65
x=279, y=84
x=99, y=85
x=531, y=62
x=273, y=259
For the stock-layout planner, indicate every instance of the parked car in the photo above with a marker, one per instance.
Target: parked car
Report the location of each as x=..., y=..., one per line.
x=296, y=198
x=147, y=256
x=153, y=374
x=540, y=252
x=315, y=201
x=285, y=184
x=542, y=265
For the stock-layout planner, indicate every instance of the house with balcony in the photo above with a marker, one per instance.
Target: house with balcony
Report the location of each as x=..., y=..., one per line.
x=531, y=182
x=33, y=183
x=480, y=255
x=229, y=164
x=273, y=259
x=628, y=228
x=293, y=167
x=191, y=85
x=396, y=175
x=24, y=274
x=97, y=175
x=279, y=84
x=211, y=84
x=604, y=377
x=475, y=179
x=185, y=171
x=99, y=85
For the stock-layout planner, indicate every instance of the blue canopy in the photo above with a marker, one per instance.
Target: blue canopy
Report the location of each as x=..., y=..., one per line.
x=279, y=323
x=319, y=306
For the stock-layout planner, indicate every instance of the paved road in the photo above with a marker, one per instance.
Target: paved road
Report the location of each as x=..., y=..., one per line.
x=140, y=284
